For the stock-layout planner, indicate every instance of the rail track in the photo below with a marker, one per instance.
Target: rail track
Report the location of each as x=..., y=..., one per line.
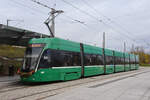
x=43, y=91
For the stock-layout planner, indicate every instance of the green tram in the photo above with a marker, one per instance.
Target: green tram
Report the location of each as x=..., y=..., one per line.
x=55, y=59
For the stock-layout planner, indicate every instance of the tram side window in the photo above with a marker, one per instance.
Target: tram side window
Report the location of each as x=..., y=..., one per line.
x=100, y=60
x=61, y=58
x=45, y=61
x=117, y=60
x=132, y=61
x=96, y=59
x=76, y=59
x=68, y=57
x=93, y=59
x=122, y=60
x=109, y=60
x=137, y=60
x=88, y=59
x=65, y=58
x=126, y=60
x=57, y=59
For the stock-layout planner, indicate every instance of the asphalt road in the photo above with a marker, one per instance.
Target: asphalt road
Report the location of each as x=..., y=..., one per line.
x=127, y=87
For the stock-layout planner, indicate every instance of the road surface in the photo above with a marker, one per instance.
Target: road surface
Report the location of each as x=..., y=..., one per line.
x=132, y=87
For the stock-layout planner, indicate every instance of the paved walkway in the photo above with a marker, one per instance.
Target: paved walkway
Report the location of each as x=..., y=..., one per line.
x=135, y=87
x=9, y=78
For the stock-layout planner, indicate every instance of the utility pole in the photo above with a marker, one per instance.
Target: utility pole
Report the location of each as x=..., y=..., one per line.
x=104, y=40
x=132, y=50
x=8, y=21
x=53, y=14
x=124, y=55
x=124, y=47
x=104, y=60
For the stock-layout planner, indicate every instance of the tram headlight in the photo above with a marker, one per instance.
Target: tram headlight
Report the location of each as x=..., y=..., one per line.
x=18, y=71
x=33, y=71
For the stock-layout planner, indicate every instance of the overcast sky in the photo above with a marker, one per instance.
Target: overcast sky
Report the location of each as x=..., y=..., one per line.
x=122, y=20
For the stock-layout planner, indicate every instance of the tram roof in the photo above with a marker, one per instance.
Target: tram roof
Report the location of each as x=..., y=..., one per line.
x=17, y=36
x=62, y=44
x=119, y=54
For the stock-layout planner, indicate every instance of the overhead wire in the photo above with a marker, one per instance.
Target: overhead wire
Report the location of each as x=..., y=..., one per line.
x=50, y=8
x=81, y=22
x=75, y=20
x=28, y=7
x=110, y=20
x=36, y=11
x=99, y=20
x=41, y=4
x=128, y=37
x=90, y=15
x=106, y=17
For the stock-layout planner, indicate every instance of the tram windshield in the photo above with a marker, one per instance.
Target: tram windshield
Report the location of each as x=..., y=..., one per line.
x=31, y=57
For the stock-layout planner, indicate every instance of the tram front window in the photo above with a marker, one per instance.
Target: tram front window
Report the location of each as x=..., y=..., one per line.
x=31, y=57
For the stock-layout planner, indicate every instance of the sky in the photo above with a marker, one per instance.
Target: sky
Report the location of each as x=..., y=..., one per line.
x=122, y=20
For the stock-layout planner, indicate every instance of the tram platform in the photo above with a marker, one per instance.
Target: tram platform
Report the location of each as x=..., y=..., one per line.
x=133, y=87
